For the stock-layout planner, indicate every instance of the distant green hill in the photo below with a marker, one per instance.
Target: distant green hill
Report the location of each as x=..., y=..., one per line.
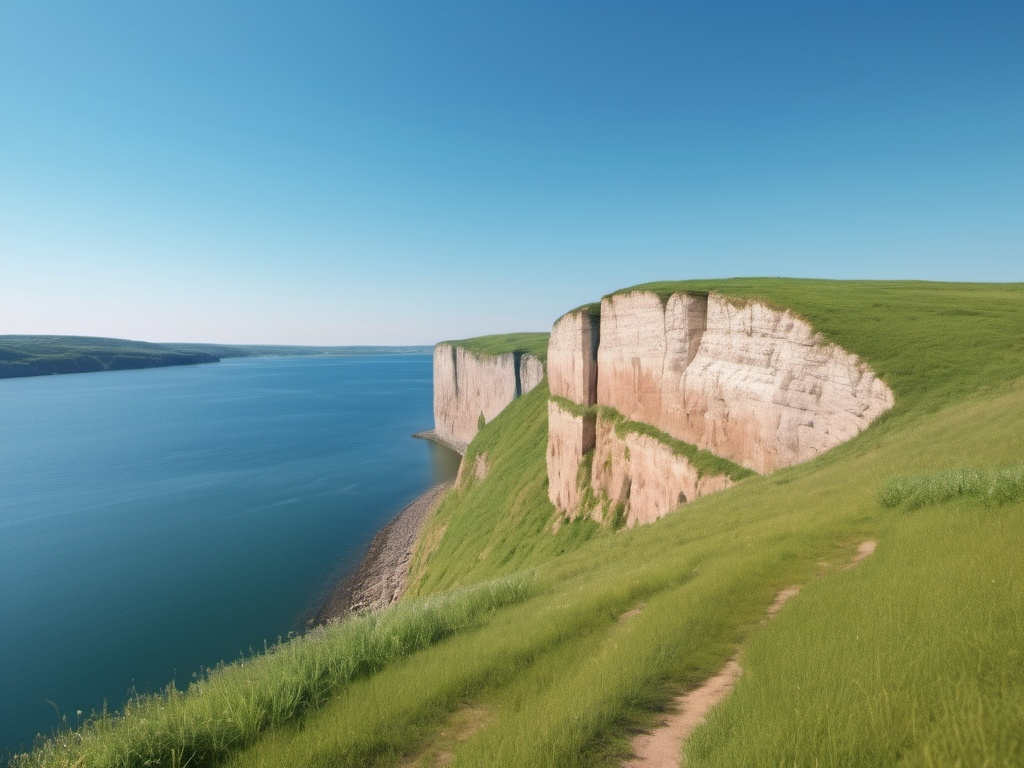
x=44, y=355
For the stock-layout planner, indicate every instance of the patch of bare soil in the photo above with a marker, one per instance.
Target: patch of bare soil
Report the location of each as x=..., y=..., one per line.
x=865, y=550
x=663, y=746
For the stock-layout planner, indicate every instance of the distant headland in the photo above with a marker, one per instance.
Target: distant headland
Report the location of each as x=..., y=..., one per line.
x=44, y=355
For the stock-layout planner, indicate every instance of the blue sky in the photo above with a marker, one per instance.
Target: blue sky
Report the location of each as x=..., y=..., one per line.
x=403, y=172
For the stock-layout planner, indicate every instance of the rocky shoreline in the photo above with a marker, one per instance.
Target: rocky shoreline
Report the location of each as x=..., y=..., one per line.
x=380, y=578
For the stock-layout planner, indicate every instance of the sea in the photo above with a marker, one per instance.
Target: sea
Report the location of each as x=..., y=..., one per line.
x=155, y=523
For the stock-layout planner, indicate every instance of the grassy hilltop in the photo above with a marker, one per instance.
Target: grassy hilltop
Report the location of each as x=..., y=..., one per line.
x=533, y=343
x=526, y=642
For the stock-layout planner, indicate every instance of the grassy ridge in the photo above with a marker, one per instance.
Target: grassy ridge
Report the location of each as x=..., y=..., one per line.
x=912, y=658
x=535, y=344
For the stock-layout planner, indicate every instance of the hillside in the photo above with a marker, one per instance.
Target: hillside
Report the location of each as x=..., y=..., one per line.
x=44, y=355
x=562, y=638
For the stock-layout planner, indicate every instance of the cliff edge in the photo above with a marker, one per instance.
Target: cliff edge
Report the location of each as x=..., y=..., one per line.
x=475, y=379
x=657, y=400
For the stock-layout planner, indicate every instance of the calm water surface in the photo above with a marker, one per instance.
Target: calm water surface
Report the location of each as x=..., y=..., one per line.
x=155, y=522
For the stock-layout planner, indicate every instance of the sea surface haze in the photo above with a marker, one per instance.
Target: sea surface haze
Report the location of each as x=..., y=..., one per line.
x=156, y=522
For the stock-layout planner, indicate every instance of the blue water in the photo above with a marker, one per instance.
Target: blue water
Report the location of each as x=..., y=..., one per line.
x=153, y=523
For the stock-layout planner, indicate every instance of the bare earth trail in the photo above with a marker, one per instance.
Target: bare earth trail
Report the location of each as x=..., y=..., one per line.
x=663, y=746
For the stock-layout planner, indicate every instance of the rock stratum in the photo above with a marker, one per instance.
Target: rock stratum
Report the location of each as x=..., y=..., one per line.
x=471, y=388
x=657, y=401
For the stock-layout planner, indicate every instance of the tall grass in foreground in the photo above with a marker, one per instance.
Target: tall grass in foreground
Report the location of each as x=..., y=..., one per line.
x=992, y=486
x=233, y=705
x=913, y=658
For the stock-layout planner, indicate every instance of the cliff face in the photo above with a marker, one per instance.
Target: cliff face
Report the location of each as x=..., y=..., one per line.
x=572, y=357
x=751, y=383
x=468, y=385
x=570, y=437
x=742, y=380
x=644, y=475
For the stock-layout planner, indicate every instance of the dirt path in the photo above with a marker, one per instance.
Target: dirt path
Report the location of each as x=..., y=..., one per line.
x=663, y=746
x=440, y=751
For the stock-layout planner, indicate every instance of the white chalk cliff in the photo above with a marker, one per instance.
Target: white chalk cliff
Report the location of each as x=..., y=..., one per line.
x=742, y=380
x=469, y=386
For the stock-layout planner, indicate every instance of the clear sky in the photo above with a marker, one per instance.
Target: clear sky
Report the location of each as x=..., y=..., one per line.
x=402, y=172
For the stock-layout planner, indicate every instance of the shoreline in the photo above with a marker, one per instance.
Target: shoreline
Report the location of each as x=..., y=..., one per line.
x=448, y=442
x=380, y=578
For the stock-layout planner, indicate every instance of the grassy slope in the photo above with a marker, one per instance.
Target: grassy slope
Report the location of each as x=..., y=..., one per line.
x=915, y=652
x=535, y=344
x=503, y=524
x=912, y=658
x=44, y=355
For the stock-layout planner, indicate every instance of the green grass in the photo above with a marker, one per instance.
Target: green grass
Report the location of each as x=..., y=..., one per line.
x=912, y=658
x=992, y=486
x=503, y=524
x=232, y=705
x=535, y=344
x=915, y=658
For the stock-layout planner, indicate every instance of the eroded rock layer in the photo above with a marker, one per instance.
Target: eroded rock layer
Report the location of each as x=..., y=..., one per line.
x=570, y=437
x=745, y=381
x=573, y=369
x=470, y=388
x=644, y=475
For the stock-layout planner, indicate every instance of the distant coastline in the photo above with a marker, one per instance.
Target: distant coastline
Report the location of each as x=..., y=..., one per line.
x=23, y=356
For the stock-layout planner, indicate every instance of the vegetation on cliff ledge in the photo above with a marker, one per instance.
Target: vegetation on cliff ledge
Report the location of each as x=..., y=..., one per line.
x=705, y=462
